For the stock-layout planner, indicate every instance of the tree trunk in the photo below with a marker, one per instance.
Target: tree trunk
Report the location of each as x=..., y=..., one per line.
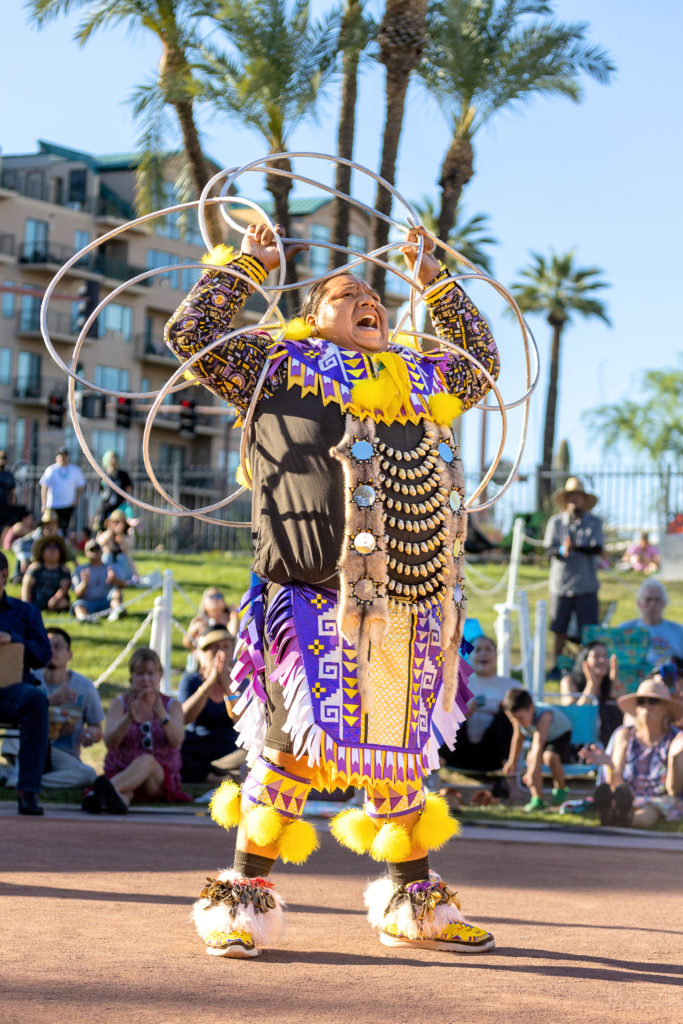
x=456, y=171
x=175, y=77
x=401, y=41
x=545, y=486
x=280, y=187
x=339, y=234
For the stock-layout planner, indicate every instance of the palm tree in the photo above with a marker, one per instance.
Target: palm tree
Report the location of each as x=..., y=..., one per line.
x=271, y=82
x=467, y=237
x=176, y=25
x=485, y=55
x=557, y=288
x=401, y=41
x=357, y=30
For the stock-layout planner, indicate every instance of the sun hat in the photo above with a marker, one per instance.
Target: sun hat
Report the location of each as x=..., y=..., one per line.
x=213, y=635
x=42, y=542
x=652, y=688
x=573, y=487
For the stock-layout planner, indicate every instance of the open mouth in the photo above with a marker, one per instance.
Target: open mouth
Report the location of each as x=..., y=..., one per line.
x=368, y=320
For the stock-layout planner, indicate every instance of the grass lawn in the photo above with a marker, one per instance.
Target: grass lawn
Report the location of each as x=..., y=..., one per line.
x=96, y=646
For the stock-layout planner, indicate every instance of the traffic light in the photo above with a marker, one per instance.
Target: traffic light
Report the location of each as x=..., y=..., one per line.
x=88, y=300
x=124, y=412
x=188, y=417
x=55, y=411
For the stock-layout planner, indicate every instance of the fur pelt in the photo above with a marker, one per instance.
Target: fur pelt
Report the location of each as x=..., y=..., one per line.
x=377, y=896
x=265, y=929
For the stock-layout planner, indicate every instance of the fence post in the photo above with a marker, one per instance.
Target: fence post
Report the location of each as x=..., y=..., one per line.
x=524, y=637
x=175, y=494
x=165, y=638
x=154, y=642
x=539, y=648
x=503, y=638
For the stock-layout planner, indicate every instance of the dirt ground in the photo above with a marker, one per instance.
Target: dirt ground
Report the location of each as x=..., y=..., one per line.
x=95, y=928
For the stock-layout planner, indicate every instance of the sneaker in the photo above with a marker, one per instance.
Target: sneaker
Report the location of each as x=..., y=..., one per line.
x=237, y=944
x=560, y=794
x=457, y=937
x=535, y=804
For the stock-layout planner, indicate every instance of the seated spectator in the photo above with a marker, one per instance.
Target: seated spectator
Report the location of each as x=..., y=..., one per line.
x=75, y=715
x=483, y=740
x=47, y=581
x=97, y=588
x=645, y=765
x=666, y=637
x=21, y=701
x=206, y=700
x=595, y=679
x=641, y=556
x=550, y=732
x=48, y=527
x=143, y=732
x=213, y=611
x=116, y=541
x=19, y=541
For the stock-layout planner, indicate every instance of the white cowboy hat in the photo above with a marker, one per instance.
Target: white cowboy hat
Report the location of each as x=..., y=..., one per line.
x=573, y=487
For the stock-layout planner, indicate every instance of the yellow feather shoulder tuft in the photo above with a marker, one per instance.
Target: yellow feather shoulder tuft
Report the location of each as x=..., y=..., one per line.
x=434, y=827
x=263, y=825
x=225, y=804
x=297, y=330
x=354, y=829
x=444, y=408
x=392, y=843
x=220, y=255
x=298, y=841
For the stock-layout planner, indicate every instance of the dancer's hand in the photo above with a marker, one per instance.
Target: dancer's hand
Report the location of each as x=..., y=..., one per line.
x=429, y=265
x=259, y=241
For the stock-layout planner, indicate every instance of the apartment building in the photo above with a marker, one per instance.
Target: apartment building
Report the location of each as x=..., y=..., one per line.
x=55, y=202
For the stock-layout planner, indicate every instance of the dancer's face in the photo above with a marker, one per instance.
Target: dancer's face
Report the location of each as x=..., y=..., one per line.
x=351, y=315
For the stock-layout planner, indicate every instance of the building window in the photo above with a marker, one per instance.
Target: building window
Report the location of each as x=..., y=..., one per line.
x=108, y=440
x=168, y=227
x=77, y=182
x=157, y=258
x=8, y=300
x=20, y=438
x=171, y=455
x=29, y=316
x=81, y=239
x=359, y=243
x=112, y=378
x=118, y=320
x=35, y=239
x=5, y=368
x=319, y=258
x=28, y=375
x=4, y=432
x=189, y=278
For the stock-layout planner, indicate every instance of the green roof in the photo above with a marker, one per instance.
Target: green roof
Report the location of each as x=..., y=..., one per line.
x=297, y=207
x=104, y=161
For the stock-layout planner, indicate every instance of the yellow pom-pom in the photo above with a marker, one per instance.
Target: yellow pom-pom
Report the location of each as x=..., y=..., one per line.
x=298, y=841
x=297, y=329
x=220, y=255
x=241, y=478
x=354, y=829
x=435, y=826
x=391, y=843
x=263, y=825
x=444, y=408
x=225, y=804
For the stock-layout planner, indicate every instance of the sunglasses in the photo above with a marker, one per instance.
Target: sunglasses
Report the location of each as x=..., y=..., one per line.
x=146, y=730
x=647, y=702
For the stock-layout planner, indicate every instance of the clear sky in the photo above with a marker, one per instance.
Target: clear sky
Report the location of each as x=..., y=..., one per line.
x=603, y=177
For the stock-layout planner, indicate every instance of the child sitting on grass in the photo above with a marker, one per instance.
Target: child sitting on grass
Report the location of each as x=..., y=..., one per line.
x=549, y=730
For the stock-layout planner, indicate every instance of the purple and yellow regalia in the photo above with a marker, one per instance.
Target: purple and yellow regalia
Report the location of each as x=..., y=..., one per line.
x=348, y=655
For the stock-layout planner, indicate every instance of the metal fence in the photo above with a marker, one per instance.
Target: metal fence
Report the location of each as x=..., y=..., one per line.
x=630, y=499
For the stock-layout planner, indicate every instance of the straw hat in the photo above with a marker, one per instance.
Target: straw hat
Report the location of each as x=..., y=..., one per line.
x=573, y=487
x=213, y=635
x=652, y=688
x=42, y=542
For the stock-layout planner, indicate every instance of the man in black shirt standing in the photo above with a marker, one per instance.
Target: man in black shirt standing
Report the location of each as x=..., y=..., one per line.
x=8, y=511
x=21, y=701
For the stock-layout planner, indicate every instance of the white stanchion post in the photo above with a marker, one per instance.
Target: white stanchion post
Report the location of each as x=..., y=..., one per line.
x=515, y=559
x=539, y=648
x=524, y=637
x=503, y=638
x=156, y=621
x=166, y=627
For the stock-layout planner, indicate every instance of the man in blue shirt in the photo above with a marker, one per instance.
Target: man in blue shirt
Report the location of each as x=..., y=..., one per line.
x=22, y=702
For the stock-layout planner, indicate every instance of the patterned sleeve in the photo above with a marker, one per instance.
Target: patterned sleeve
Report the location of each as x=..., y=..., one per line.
x=458, y=320
x=232, y=369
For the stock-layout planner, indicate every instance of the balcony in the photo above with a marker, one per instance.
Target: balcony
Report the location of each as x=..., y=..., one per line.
x=51, y=256
x=106, y=206
x=60, y=325
x=152, y=349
